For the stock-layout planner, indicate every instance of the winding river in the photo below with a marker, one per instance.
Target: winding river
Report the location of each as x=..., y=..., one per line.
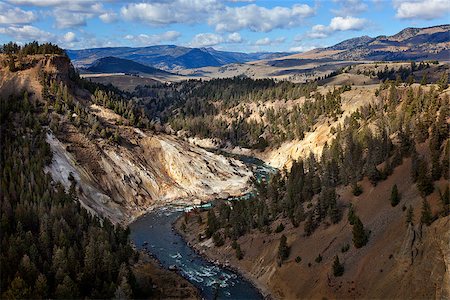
x=154, y=233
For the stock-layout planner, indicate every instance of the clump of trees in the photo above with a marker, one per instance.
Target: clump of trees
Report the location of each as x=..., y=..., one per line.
x=31, y=48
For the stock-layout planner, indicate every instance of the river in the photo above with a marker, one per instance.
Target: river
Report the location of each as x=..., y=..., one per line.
x=154, y=233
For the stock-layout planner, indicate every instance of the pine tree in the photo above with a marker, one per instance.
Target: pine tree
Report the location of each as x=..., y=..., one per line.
x=426, y=217
x=338, y=268
x=443, y=81
x=309, y=225
x=424, y=79
x=410, y=215
x=351, y=217
x=395, y=196
x=360, y=236
x=212, y=223
x=424, y=182
x=239, y=254
x=283, y=249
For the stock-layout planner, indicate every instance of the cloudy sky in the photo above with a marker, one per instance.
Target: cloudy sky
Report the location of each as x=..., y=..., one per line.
x=237, y=25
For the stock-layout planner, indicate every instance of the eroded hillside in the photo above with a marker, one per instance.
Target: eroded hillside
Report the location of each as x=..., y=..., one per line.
x=119, y=171
x=360, y=207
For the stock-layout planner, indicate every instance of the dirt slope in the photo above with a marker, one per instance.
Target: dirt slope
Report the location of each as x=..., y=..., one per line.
x=399, y=261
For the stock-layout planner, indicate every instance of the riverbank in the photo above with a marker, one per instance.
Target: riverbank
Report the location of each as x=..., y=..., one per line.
x=221, y=256
x=163, y=283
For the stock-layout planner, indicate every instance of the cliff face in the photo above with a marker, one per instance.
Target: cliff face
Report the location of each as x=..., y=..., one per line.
x=123, y=180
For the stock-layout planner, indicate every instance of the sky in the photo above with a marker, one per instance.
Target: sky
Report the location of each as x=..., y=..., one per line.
x=232, y=25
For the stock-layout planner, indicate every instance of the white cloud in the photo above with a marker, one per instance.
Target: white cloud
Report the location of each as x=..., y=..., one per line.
x=206, y=40
x=26, y=33
x=235, y=37
x=14, y=15
x=108, y=17
x=257, y=18
x=350, y=7
x=69, y=37
x=267, y=41
x=45, y=3
x=67, y=19
x=152, y=39
x=68, y=14
x=336, y=24
x=75, y=14
x=301, y=48
x=178, y=11
x=222, y=17
x=347, y=23
x=427, y=10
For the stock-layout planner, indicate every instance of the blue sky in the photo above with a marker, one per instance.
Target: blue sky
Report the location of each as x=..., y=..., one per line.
x=236, y=25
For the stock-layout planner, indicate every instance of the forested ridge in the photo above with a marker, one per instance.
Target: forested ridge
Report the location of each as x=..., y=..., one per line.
x=371, y=143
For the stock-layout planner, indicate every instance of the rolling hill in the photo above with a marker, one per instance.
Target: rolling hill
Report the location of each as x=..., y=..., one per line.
x=112, y=64
x=430, y=43
x=168, y=57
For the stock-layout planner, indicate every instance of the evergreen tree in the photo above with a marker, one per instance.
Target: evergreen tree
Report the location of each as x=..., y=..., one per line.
x=410, y=215
x=338, y=268
x=360, y=236
x=443, y=81
x=239, y=254
x=212, y=223
x=283, y=249
x=351, y=217
x=424, y=182
x=426, y=217
x=395, y=196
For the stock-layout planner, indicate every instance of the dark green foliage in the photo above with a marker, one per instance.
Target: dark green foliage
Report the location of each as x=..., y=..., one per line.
x=12, y=64
x=318, y=259
x=373, y=174
x=239, y=253
x=338, y=268
x=345, y=248
x=283, y=249
x=443, y=81
x=351, y=217
x=31, y=49
x=357, y=189
x=298, y=259
x=426, y=217
x=424, y=181
x=212, y=224
x=51, y=247
x=410, y=215
x=395, y=196
x=360, y=236
x=218, y=239
x=279, y=228
x=310, y=225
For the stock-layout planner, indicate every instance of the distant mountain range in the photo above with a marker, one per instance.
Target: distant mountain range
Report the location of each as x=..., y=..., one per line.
x=169, y=57
x=112, y=64
x=409, y=44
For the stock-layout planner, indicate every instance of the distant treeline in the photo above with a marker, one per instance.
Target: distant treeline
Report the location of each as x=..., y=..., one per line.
x=31, y=49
